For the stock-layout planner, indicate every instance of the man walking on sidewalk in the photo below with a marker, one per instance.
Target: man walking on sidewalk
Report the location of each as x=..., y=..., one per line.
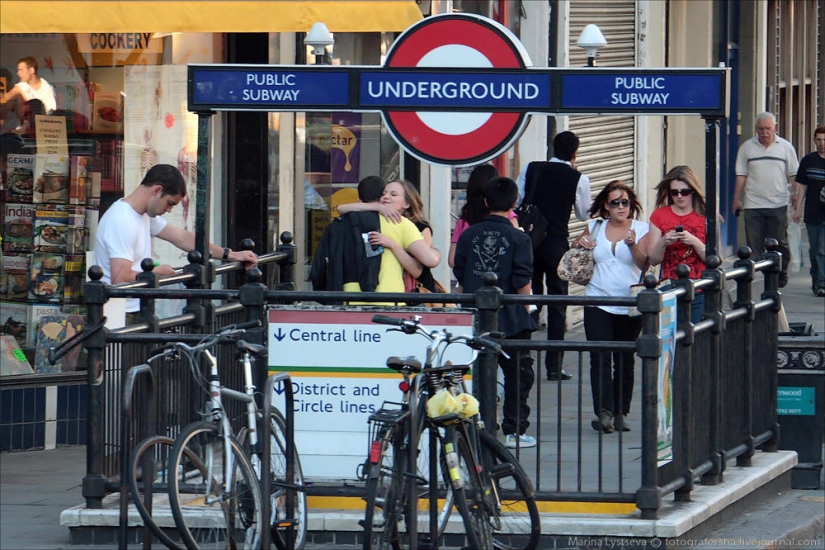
x=810, y=187
x=764, y=166
x=559, y=187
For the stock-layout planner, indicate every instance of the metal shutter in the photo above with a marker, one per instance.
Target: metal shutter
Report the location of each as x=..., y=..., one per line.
x=607, y=144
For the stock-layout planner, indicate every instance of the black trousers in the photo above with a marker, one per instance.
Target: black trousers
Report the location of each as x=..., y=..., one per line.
x=545, y=262
x=611, y=385
x=518, y=381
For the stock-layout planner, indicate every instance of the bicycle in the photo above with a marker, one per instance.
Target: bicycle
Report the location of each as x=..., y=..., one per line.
x=215, y=495
x=497, y=504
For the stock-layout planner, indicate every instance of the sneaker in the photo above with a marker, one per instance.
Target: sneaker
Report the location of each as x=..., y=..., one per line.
x=783, y=279
x=820, y=292
x=511, y=441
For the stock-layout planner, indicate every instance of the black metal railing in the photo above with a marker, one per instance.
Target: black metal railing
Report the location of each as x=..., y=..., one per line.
x=724, y=387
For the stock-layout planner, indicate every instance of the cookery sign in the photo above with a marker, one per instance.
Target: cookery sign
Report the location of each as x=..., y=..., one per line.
x=50, y=135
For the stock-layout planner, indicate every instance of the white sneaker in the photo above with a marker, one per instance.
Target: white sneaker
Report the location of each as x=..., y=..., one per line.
x=511, y=441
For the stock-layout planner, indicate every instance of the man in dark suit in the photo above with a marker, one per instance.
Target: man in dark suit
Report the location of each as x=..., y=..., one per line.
x=559, y=188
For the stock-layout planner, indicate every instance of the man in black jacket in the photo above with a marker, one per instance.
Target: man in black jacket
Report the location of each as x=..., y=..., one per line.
x=559, y=187
x=341, y=256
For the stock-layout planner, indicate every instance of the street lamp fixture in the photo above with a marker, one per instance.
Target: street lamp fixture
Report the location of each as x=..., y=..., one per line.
x=591, y=39
x=318, y=38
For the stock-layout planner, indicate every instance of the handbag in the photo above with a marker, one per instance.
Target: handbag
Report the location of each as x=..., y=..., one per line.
x=577, y=264
x=439, y=289
x=530, y=219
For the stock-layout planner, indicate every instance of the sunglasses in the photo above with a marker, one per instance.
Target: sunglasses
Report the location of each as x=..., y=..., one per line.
x=615, y=203
x=683, y=192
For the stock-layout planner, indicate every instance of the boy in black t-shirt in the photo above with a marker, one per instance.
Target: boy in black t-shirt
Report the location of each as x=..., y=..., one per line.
x=496, y=246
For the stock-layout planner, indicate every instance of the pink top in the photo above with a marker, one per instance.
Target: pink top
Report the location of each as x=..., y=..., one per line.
x=462, y=224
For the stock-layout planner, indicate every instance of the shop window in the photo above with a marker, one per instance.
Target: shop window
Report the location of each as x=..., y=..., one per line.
x=117, y=108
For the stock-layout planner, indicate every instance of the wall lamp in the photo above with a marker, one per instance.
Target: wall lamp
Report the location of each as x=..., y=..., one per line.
x=591, y=40
x=318, y=38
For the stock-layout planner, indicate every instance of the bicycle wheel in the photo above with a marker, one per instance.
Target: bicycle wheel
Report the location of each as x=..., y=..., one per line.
x=515, y=520
x=214, y=506
x=156, y=449
x=384, y=493
x=469, y=498
x=278, y=491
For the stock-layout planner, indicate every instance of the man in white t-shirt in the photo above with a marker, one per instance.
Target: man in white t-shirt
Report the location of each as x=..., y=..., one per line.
x=765, y=165
x=32, y=86
x=124, y=235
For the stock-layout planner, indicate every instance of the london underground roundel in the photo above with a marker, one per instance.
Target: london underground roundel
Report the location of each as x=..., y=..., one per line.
x=458, y=41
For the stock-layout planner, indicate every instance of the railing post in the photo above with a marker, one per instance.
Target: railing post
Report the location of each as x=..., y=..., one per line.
x=772, y=292
x=94, y=483
x=649, y=349
x=744, y=299
x=251, y=296
x=286, y=269
x=713, y=307
x=200, y=277
x=147, y=304
x=488, y=302
x=685, y=375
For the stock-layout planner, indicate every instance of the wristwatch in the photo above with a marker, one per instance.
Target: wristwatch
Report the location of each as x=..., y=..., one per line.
x=226, y=252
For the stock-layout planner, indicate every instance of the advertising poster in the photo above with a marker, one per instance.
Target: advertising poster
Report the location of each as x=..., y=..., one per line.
x=667, y=333
x=158, y=129
x=345, y=152
x=336, y=360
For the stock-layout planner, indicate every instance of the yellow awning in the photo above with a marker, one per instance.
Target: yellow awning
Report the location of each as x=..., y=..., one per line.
x=220, y=16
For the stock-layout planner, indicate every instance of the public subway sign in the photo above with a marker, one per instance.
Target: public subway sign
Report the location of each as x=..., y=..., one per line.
x=458, y=89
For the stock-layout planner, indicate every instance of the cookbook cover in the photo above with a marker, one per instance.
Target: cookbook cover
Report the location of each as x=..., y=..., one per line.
x=108, y=113
x=35, y=313
x=13, y=321
x=14, y=277
x=51, y=179
x=51, y=226
x=76, y=232
x=74, y=277
x=20, y=180
x=78, y=179
x=18, y=227
x=53, y=331
x=46, y=279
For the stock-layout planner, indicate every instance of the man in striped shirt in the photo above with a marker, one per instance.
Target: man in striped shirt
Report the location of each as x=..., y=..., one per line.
x=764, y=166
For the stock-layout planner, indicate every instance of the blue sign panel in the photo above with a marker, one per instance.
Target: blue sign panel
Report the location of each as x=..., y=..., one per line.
x=464, y=91
x=606, y=92
x=257, y=87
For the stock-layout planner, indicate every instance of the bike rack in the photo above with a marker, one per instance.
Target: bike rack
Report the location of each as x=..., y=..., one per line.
x=148, y=467
x=289, y=450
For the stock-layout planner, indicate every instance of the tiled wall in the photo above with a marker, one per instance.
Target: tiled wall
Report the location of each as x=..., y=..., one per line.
x=32, y=418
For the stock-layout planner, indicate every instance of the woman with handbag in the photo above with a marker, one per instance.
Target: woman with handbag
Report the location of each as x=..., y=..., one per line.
x=619, y=259
x=677, y=230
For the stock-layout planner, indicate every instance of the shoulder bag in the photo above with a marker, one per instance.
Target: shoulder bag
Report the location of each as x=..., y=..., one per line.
x=529, y=218
x=577, y=264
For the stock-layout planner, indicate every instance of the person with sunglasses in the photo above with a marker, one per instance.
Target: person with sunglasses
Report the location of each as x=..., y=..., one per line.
x=678, y=229
x=614, y=236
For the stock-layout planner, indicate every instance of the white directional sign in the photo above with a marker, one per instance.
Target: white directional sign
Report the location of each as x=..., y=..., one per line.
x=337, y=364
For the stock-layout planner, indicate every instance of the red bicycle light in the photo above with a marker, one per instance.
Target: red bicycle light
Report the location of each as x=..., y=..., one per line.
x=375, y=452
x=404, y=386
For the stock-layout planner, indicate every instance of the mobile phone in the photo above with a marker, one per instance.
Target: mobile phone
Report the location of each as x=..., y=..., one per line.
x=678, y=229
x=369, y=248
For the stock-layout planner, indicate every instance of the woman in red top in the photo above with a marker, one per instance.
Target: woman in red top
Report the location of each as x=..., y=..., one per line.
x=677, y=229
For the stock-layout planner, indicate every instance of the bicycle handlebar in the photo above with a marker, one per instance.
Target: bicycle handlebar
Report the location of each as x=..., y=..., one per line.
x=413, y=326
x=226, y=334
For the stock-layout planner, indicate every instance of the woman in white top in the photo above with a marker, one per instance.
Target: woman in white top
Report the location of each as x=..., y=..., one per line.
x=614, y=237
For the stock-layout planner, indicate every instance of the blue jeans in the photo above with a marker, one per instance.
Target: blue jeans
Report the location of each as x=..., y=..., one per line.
x=816, y=240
